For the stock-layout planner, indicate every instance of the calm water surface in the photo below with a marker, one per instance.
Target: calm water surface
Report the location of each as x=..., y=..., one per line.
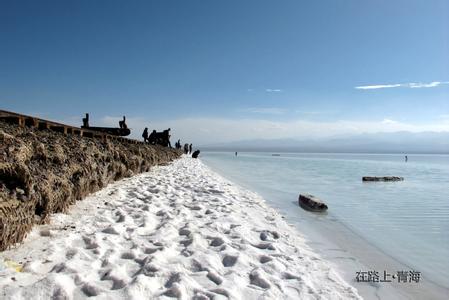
x=407, y=220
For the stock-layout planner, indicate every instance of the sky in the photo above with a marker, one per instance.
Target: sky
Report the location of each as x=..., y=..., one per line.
x=217, y=71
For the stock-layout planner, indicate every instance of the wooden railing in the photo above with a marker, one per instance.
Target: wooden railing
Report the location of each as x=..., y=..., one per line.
x=42, y=124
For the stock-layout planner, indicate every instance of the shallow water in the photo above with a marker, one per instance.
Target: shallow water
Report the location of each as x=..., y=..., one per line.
x=408, y=220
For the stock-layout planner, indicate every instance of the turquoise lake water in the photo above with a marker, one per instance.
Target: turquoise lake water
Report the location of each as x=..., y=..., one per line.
x=407, y=220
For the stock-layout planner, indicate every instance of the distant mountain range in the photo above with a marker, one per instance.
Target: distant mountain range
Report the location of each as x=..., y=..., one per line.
x=396, y=142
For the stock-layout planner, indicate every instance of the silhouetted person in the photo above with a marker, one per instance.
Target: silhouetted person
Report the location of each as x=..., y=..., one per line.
x=236, y=153
x=406, y=158
x=186, y=148
x=190, y=149
x=152, y=138
x=122, y=123
x=167, y=138
x=86, y=121
x=145, y=135
x=196, y=153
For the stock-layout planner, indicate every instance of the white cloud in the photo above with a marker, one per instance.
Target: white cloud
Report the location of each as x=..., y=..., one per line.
x=379, y=86
x=315, y=113
x=265, y=110
x=426, y=85
x=273, y=90
x=389, y=121
x=412, y=85
x=216, y=130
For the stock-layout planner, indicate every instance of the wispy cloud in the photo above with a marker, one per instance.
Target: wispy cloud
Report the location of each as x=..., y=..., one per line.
x=412, y=85
x=315, y=113
x=427, y=85
x=378, y=86
x=389, y=122
x=265, y=110
x=273, y=90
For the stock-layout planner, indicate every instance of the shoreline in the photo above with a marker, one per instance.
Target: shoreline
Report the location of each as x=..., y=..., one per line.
x=181, y=231
x=349, y=252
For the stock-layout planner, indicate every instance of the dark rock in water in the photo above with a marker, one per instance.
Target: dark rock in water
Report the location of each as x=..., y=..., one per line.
x=196, y=153
x=311, y=203
x=382, y=178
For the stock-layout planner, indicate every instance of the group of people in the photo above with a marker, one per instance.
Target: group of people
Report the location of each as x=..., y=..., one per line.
x=157, y=138
x=163, y=139
x=187, y=147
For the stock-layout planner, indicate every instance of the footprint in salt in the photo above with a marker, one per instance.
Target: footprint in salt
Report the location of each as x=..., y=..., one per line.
x=174, y=277
x=274, y=234
x=184, y=231
x=187, y=253
x=266, y=234
x=288, y=276
x=71, y=252
x=149, y=270
x=90, y=243
x=150, y=250
x=229, y=260
x=257, y=279
x=90, y=290
x=117, y=282
x=199, y=295
x=174, y=291
x=197, y=266
x=62, y=268
x=221, y=292
x=264, y=259
x=264, y=246
x=214, y=277
x=110, y=230
x=216, y=241
x=162, y=213
x=186, y=242
x=128, y=255
x=45, y=232
x=121, y=217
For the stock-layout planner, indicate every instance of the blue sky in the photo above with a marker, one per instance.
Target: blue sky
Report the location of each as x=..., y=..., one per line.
x=230, y=70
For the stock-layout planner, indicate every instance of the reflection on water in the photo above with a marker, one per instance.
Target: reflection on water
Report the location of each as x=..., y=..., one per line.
x=408, y=220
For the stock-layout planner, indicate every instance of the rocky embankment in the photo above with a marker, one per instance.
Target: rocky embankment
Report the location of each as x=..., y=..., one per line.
x=43, y=172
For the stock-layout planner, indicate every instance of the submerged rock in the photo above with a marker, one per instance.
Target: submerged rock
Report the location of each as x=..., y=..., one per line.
x=311, y=203
x=382, y=178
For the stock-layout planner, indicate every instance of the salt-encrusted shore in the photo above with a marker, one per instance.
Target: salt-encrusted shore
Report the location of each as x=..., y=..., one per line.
x=179, y=231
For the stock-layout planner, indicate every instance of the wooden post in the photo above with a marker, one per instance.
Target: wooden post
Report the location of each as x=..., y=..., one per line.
x=21, y=121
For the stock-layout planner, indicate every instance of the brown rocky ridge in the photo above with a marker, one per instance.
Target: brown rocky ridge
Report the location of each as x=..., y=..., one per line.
x=44, y=172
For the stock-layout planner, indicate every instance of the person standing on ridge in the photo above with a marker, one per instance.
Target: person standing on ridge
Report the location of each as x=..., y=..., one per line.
x=145, y=135
x=190, y=149
x=122, y=123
